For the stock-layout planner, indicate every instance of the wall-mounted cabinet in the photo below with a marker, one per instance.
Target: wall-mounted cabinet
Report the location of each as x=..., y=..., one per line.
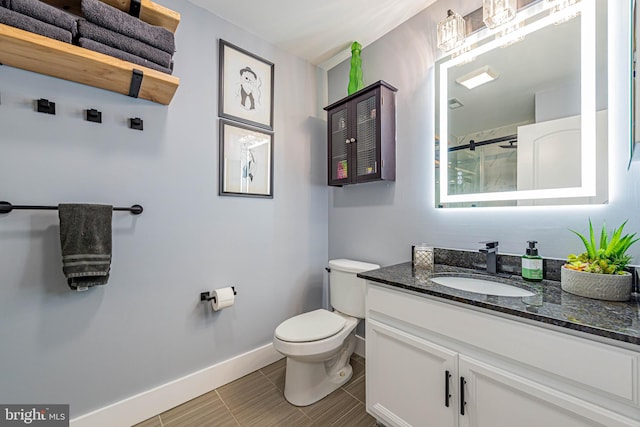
x=362, y=136
x=32, y=52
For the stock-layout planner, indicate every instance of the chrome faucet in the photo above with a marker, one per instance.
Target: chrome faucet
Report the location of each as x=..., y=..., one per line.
x=491, y=249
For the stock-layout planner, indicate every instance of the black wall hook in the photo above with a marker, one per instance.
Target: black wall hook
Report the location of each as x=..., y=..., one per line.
x=45, y=106
x=136, y=123
x=93, y=115
x=206, y=296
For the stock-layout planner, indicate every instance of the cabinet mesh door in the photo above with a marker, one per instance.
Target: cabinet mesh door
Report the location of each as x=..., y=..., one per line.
x=366, y=131
x=339, y=148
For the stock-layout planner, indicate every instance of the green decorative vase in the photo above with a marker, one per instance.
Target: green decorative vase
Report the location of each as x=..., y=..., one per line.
x=355, y=74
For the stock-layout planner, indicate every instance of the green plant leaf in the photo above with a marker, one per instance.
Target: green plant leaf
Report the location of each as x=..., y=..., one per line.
x=626, y=242
x=603, y=236
x=590, y=250
x=592, y=239
x=615, y=239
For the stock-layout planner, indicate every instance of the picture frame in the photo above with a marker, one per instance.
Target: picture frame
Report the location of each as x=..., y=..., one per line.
x=245, y=86
x=246, y=160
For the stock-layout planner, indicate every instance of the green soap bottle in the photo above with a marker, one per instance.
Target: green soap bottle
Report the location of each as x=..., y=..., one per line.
x=532, y=263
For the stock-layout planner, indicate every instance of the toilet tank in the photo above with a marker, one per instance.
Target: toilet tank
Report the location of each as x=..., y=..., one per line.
x=346, y=290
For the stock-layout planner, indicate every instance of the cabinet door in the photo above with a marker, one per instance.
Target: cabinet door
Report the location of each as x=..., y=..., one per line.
x=340, y=146
x=496, y=398
x=367, y=134
x=406, y=379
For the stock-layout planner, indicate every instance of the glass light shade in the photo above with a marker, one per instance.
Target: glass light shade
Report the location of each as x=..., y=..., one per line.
x=558, y=5
x=451, y=32
x=498, y=12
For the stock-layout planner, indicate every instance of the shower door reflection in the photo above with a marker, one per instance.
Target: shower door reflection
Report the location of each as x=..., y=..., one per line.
x=489, y=166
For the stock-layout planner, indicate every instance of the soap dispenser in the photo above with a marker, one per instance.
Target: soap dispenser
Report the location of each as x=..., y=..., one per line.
x=532, y=263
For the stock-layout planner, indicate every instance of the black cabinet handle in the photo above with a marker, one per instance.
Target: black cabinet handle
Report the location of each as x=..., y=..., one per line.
x=447, y=394
x=462, y=402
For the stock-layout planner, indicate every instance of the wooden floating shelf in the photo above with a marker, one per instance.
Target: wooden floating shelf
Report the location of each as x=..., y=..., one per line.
x=32, y=52
x=150, y=12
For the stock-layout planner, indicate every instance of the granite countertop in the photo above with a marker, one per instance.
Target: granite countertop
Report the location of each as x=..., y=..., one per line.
x=619, y=321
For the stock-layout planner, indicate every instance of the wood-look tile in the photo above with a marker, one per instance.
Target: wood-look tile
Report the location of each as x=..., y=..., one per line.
x=357, y=358
x=257, y=400
x=274, y=366
x=357, y=417
x=151, y=422
x=331, y=408
x=246, y=391
x=358, y=369
x=357, y=388
x=189, y=406
x=206, y=410
x=277, y=377
x=254, y=400
x=210, y=415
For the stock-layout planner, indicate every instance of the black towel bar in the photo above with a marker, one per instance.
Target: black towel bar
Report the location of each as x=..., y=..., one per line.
x=6, y=207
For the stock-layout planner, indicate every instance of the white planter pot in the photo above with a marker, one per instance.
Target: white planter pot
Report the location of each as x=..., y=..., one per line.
x=610, y=287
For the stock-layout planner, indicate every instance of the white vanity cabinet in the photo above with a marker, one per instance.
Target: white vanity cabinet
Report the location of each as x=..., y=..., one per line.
x=493, y=372
x=406, y=378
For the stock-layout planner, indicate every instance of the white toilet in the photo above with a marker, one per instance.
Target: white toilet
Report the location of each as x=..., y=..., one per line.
x=319, y=344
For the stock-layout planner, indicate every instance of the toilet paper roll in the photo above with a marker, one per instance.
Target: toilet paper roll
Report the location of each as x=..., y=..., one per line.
x=224, y=297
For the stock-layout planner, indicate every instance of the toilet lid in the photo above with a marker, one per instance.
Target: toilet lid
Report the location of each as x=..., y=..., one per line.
x=312, y=326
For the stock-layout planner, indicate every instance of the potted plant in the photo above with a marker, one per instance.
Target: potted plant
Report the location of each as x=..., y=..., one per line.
x=599, y=272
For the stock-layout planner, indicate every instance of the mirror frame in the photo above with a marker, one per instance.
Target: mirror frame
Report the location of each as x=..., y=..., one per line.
x=587, y=10
x=635, y=104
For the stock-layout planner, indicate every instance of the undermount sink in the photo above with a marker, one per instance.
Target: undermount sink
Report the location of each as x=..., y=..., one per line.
x=481, y=286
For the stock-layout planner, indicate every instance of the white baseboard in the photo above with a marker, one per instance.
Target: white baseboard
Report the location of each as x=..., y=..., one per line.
x=360, y=349
x=145, y=405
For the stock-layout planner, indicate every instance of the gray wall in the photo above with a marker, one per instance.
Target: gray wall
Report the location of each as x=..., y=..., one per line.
x=147, y=326
x=379, y=222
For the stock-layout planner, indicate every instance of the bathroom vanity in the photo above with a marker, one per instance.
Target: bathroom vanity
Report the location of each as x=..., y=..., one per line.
x=439, y=356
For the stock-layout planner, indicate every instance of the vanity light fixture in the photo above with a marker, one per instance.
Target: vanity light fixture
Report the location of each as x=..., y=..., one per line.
x=451, y=31
x=498, y=12
x=477, y=77
x=507, y=35
x=556, y=6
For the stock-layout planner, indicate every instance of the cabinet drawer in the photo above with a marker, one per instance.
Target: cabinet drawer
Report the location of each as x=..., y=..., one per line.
x=606, y=370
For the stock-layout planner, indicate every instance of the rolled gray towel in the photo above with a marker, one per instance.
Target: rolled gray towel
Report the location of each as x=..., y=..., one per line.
x=119, y=41
x=116, y=20
x=116, y=53
x=85, y=241
x=17, y=20
x=45, y=13
x=4, y=3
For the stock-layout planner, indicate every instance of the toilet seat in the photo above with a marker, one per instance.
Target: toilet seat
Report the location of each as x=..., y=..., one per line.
x=312, y=326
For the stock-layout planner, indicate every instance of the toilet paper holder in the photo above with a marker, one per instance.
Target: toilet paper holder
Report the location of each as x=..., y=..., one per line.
x=206, y=296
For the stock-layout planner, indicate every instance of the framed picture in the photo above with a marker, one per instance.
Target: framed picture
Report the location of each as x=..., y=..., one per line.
x=246, y=160
x=246, y=87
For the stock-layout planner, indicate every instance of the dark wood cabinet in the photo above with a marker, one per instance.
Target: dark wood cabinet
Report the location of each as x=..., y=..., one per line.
x=362, y=136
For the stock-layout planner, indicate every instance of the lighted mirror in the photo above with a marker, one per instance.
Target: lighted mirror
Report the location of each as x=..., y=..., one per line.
x=523, y=112
x=635, y=81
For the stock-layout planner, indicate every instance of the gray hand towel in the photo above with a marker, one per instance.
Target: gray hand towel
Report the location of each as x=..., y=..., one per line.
x=125, y=56
x=121, y=22
x=23, y=22
x=45, y=13
x=85, y=240
x=119, y=41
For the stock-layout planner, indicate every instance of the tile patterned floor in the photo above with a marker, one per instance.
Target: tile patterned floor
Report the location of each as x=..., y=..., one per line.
x=257, y=400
